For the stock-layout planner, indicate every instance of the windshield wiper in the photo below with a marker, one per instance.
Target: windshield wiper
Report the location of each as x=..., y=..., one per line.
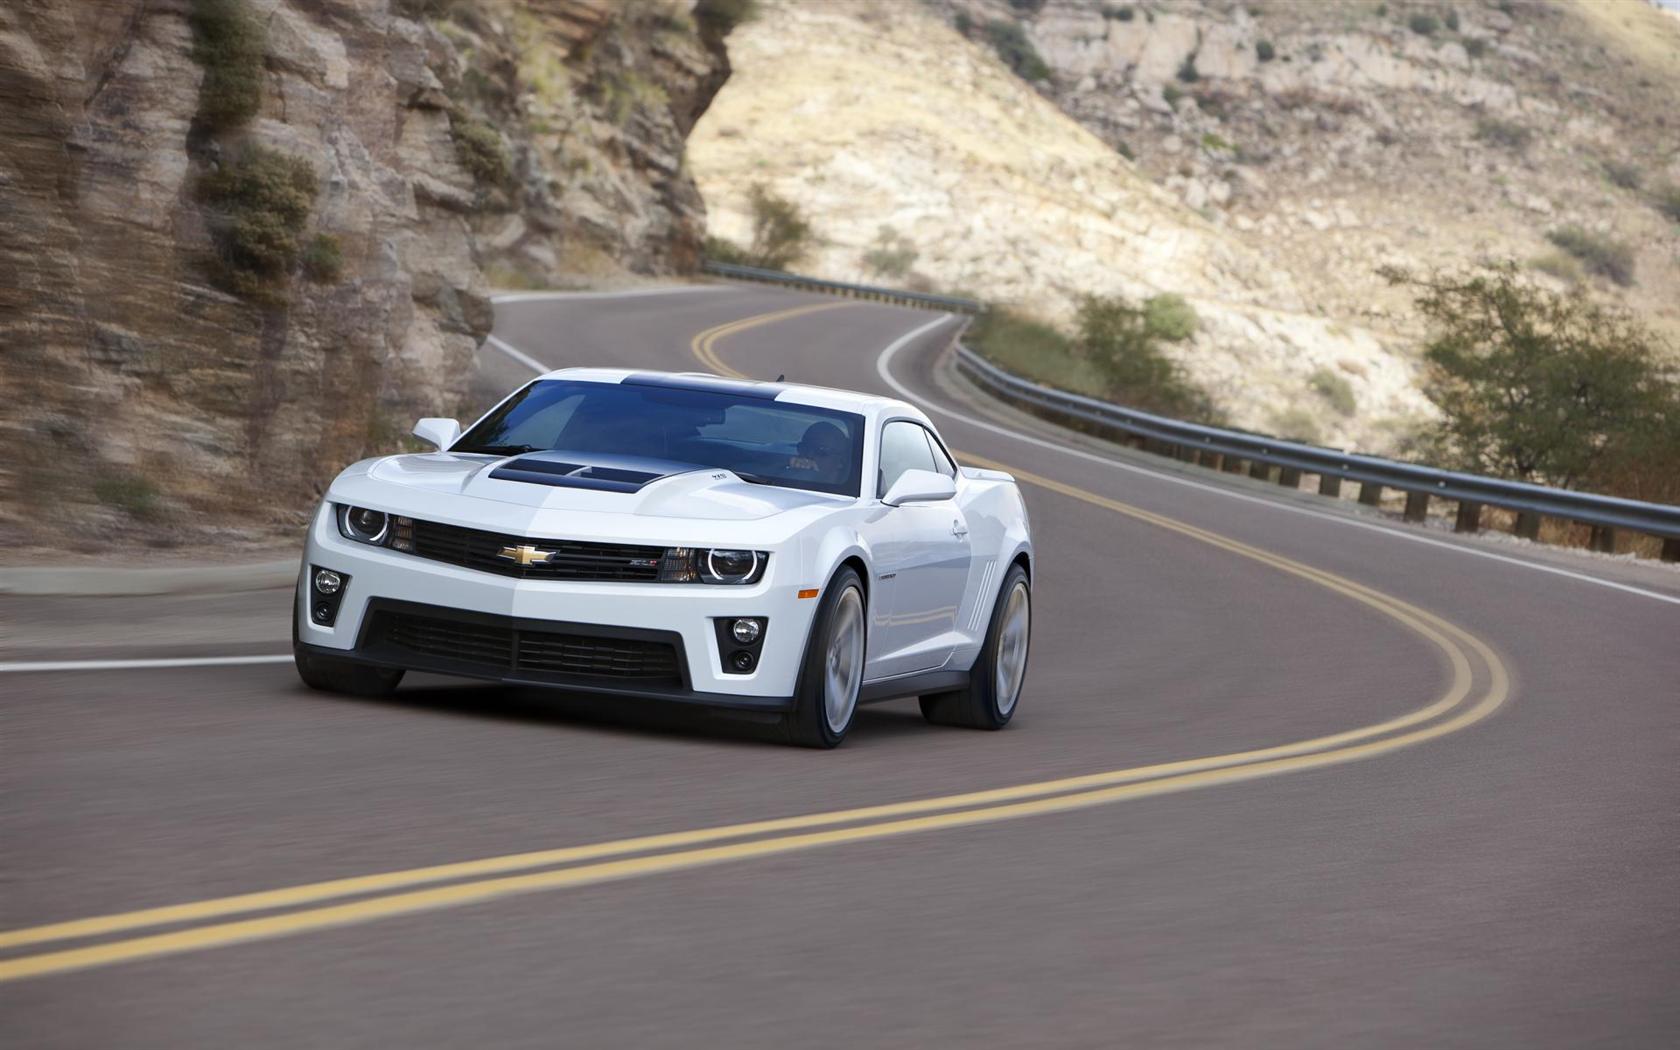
x=501, y=450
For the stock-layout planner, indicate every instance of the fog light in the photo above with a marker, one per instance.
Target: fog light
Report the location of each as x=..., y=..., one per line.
x=742, y=662
x=327, y=582
x=744, y=631
x=323, y=612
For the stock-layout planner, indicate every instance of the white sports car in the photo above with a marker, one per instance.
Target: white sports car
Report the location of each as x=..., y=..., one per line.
x=763, y=546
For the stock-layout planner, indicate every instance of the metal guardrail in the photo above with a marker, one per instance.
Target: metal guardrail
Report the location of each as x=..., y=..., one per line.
x=1233, y=449
x=855, y=291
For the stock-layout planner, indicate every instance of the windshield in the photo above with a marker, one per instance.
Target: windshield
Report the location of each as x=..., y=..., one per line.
x=763, y=441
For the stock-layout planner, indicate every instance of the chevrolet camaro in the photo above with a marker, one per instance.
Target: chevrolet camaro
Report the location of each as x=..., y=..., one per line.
x=762, y=546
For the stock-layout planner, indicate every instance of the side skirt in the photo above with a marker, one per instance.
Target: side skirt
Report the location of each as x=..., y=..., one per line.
x=919, y=683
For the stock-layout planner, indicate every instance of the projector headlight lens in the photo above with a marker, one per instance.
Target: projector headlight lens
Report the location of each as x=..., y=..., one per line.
x=701, y=565
x=363, y=525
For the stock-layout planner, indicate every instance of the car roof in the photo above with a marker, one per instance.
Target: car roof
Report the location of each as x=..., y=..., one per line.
x=791, y=393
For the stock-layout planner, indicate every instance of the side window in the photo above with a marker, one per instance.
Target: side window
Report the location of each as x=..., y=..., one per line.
x=904, y=446
x=941, y=462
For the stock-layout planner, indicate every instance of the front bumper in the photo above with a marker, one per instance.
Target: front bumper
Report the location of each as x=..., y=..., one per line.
x=383, y=584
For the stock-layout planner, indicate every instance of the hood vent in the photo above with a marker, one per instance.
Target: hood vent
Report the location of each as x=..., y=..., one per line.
x=600, y=471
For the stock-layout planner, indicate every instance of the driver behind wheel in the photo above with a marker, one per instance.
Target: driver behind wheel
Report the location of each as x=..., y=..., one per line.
x=822, y=452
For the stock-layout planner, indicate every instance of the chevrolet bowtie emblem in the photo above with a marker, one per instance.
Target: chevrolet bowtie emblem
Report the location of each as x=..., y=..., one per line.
x=525, y=555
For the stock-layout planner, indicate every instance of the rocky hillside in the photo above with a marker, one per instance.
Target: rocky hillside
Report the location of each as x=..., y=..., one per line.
x=242, y=242
x=1260, y=158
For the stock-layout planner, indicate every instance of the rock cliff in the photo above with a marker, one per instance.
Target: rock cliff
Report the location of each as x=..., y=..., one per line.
x=243, y=242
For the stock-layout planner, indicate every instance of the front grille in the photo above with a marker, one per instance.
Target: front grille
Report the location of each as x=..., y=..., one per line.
x=572, y=559
x=499, y=647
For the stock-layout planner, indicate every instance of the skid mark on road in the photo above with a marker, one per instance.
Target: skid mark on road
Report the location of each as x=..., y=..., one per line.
x=1478, y=685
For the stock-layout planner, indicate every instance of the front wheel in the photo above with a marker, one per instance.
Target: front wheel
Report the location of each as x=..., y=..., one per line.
x=994, y=686
x=826, y=701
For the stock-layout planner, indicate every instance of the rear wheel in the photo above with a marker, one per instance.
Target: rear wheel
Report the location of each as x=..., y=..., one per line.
x=826, y=701
x=340, y=676
x=994, y=686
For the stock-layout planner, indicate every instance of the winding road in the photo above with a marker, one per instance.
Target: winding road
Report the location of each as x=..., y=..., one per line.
x=1285, y=773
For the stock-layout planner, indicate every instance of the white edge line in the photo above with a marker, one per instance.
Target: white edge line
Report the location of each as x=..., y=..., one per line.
x=883, y=368
x=628, y=293
x=518, y=355
x=133, y=665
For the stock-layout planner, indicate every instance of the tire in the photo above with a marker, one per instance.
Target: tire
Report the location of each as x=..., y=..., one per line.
x=345, y=677
x=838, y=638
x=991, y=697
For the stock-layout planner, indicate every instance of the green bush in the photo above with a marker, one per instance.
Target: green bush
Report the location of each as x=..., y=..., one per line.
x=1264, y=51
x=891, y=255
x=1117, y=337
x=963, y=23
x=1452, y=20
x=1123, y=13
x=1168, y=316
x=1667, y=199
x=1476, y=46
x=1171, y=94
x=260, y=201
x=1424, y=25
x=1010, y=42
x=129, y=492
x=1187, y=70
x=1620, y=173
x=1557, y=264
x=1507, y=133
x=1540, y=386
x=1601, y=255
x=479, y=149
x=228, y=46
x=1297, y=424
x=1334, y=389
x=723, y=250
x=323, y=259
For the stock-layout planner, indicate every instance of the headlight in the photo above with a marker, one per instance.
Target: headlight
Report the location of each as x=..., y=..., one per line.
x=375, y=527
x=702, y=565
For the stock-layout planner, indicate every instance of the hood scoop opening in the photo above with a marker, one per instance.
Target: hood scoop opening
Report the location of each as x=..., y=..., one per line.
x=601, y=471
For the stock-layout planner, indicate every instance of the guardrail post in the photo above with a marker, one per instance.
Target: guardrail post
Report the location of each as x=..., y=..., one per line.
x=1208, y=459
x=1231, y=465
x=1259, y=469
x=1603, y=539
x=1329, y=485
x=1289, y=477
x=1469, y=517
x=1417, y=506
x=1671, y=549
x=1528, y=525
x=1370, y=493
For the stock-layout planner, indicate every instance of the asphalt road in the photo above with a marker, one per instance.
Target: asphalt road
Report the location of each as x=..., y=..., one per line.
x=1460, y=829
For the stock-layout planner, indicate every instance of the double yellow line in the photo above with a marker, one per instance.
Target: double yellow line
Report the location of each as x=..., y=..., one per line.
x=703, y=344
x=1478, y=685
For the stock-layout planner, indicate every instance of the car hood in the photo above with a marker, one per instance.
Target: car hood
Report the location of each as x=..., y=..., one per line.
x=595, y=484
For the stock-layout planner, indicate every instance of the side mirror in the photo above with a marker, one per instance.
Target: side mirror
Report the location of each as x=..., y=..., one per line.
x=919, y=486
x=440, y=432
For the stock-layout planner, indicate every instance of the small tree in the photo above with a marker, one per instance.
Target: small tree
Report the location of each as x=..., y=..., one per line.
x=781, y=236
x=1536, y=385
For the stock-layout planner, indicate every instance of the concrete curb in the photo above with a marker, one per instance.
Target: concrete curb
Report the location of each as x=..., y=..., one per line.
x=93, y=581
